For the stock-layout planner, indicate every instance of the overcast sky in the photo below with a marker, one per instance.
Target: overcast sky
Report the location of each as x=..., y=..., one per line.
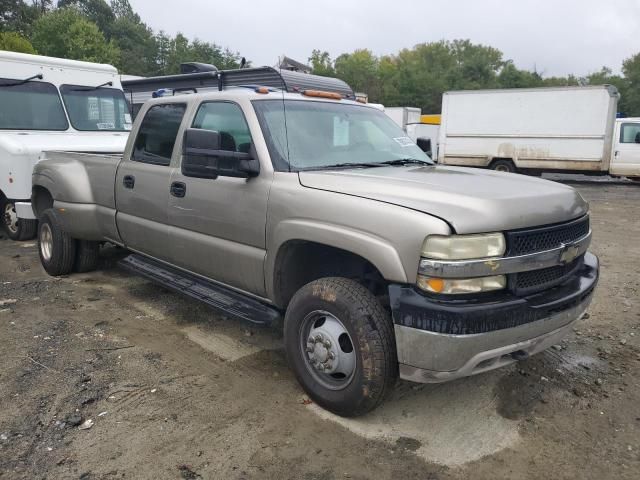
x=556, y=37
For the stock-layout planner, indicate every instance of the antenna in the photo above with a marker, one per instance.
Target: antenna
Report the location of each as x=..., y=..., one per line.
x=284, y=111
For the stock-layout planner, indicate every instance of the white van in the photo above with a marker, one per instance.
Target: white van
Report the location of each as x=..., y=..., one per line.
x=52, y=104
x=566, y=129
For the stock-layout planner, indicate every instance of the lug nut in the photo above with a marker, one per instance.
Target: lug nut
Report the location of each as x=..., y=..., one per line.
x=327, y=344
x=332, y=355
x=309, y=348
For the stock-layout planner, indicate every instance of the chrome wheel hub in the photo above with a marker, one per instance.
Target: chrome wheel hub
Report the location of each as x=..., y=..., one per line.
x=10, y=217
x=328, y=349
x=46, y=241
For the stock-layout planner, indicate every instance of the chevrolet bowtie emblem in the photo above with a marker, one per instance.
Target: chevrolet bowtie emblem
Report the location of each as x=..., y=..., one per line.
x=569, y=253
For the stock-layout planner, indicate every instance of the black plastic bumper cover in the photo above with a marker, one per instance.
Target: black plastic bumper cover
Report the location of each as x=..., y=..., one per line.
x=413, y=309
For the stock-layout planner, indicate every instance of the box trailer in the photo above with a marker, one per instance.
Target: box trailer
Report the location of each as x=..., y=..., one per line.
x=569, y=129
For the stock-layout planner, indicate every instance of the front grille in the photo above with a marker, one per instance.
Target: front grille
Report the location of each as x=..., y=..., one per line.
x=523, y=242
x=525, y=283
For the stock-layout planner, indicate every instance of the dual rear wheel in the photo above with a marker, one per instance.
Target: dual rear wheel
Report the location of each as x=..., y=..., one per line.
x=61, y=254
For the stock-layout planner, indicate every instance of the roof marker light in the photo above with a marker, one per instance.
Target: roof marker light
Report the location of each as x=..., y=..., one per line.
x=321, y=94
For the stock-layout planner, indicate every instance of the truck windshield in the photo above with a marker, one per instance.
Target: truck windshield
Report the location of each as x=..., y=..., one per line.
x=310, y=135
x=30, y=106
x=96, y=108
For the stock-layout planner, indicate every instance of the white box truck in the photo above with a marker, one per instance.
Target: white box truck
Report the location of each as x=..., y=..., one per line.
x=52, y=104
x=422, y=129
x=534, y=130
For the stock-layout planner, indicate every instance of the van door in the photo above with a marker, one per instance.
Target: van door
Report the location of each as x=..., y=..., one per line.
x=143, y=180
x=626, y=156
x=218, y=225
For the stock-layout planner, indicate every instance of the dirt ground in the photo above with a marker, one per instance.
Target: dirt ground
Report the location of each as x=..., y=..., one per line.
x=175, y=391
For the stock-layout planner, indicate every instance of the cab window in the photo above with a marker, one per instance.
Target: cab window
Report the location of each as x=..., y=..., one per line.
x=630, y=133
x=157, y=135
x=228, y=120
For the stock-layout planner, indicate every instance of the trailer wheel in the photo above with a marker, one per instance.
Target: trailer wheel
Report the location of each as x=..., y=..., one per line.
x=340, y=345
x=87, y=254
x=503, y=166
x=18, y=229
x=56, y=248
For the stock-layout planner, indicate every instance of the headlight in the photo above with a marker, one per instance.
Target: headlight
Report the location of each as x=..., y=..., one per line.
x=461, y=285
x=463, y=247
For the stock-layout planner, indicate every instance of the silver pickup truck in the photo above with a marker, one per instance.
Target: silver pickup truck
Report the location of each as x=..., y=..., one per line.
x=320, y=212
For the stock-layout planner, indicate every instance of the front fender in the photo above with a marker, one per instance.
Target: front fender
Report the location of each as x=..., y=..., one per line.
x=379, y=252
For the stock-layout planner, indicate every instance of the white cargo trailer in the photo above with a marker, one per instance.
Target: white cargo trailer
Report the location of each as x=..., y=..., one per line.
x=570, y=129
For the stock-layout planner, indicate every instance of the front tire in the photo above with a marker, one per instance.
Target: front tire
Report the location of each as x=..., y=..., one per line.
x=340, y=345
x=56, y=248
x=17, y=229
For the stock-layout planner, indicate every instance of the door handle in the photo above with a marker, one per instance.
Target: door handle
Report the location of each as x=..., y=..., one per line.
x=178, y=189
x=129, y=181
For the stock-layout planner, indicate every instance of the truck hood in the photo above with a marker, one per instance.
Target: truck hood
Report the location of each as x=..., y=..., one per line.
x=470, y=200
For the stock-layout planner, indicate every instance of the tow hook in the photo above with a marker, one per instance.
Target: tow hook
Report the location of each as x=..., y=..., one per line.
x=520, y=355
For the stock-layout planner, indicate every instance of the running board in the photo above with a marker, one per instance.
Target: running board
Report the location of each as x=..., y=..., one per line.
x=221, y=298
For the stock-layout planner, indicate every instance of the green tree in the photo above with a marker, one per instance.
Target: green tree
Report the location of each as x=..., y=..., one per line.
x=137, y=45
x=512, y=77
x=360, y=70
x=66, y=33
x=96, y=11
x=17, y=16
x=631, y=89
x=15, y=42
x=122, y=9
x=321, y=63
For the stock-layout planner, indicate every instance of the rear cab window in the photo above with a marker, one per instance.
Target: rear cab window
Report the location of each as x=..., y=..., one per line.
x=30, y=106
x=157, y=134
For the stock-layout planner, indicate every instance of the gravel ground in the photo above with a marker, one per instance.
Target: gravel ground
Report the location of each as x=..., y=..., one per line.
x=169, y=389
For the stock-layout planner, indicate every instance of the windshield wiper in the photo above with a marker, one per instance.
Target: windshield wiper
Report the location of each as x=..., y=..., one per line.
x=406, y=161
x=88, y=89
x=347, y=165
x=21, y=82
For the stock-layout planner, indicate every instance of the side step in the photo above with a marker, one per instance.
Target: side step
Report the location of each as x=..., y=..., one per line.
x=220, y=298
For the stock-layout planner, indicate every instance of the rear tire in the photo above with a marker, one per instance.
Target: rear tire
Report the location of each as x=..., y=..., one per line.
x=340, y=345
x=56, y=248
x=87, y=254
x=17, y=229
x=503, y=166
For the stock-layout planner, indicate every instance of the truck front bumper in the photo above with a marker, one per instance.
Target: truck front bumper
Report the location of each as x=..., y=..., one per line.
x=438, y=341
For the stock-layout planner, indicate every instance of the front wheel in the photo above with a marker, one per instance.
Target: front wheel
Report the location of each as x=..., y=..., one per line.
x=16, y=228
x=340, y=345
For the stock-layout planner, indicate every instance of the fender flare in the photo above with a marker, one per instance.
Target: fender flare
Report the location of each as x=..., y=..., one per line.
x=377, y=251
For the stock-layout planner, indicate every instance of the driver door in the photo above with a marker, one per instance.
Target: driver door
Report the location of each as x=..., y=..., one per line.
x=217, y=226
